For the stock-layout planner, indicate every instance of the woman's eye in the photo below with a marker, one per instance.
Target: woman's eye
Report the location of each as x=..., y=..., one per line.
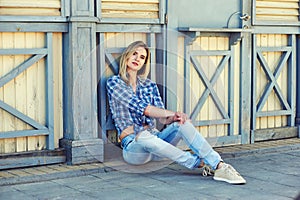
x=134, y=53
x=143, y=57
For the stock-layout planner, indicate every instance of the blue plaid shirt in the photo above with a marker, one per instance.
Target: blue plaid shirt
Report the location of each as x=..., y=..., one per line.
x=127, y=107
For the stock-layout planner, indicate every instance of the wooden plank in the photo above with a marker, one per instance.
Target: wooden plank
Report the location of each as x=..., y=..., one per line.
x=30, y=11
x=9, y=94
x=276, y=18
x=237, y=87
x=19, y=69
x=221, y=86
x=2, y=115
x=33, y=158
x=204, y=113
x=20, y=84
x=268, y=11
x=261, y=81
x=277, y=55
x=31, y=90
x=130, y=7
x=272, y=66
x=132, y=1
x=58, y=88
x=278, y=0
x=11, y=110
x=34, y=27
x=41, y=103
x=276, y=4
x=23, y=51
x=120, y=14
x=275, y=133
x=23, y=133
x=283, y=41
x=31, y=4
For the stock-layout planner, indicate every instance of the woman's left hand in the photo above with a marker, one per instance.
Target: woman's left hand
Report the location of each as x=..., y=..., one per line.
x=180, y=117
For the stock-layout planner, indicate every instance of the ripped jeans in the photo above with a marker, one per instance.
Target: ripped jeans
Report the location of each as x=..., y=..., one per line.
x=150, y=145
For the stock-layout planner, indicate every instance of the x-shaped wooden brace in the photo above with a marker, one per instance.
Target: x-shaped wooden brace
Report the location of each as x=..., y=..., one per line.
x=209, y=87
x=273, y=80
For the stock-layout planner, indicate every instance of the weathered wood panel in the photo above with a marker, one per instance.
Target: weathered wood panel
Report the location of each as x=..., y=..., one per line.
x=272, y=58
x=130, y=9
x=30, y=8
x=209, y=64
x=277, y=10
x=26, y=92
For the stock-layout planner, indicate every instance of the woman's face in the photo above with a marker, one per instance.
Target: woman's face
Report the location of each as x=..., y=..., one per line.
x=136, y=61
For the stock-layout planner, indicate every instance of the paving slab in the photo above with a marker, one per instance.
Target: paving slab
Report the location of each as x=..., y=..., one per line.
x=270, y=175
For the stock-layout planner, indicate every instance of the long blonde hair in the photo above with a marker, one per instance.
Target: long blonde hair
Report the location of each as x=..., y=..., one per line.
x=144, y=71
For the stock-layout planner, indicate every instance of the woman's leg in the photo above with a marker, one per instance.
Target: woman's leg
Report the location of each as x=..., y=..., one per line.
x=147, y=145
x=198, y=144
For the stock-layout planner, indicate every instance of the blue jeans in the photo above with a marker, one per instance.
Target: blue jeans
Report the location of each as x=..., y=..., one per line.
x=149, y=145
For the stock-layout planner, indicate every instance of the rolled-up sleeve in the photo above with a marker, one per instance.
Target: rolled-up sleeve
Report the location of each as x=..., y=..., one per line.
x=157, y=101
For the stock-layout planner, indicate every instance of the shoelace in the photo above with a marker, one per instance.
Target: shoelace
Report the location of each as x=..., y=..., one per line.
x=207, y=171
x=230, y=169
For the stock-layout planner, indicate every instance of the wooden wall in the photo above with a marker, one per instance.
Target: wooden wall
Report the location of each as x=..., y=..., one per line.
x=209, y=64
x=130, y=9
x=272, y=58
x=26, y=92
x=279, y=10
x=29, y=7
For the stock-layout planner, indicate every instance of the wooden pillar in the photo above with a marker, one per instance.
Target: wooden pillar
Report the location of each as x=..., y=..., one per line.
x=80, y=86
x=245, y=74
x=297, y=121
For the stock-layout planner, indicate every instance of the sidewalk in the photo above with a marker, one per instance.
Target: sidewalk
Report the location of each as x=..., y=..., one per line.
x=271, y=169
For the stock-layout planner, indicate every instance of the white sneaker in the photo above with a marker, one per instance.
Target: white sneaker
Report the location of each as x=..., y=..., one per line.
x=228, y=174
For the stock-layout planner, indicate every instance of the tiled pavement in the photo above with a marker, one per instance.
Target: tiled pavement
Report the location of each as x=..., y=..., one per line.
x=48, y=172
x=270, y=168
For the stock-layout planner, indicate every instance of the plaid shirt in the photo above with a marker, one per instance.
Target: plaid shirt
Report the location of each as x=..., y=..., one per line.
x=127, y=107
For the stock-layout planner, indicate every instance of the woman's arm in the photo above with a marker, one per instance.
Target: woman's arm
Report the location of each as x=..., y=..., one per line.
x=165, y=116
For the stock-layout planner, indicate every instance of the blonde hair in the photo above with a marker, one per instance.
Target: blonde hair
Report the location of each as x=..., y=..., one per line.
x=144, y=71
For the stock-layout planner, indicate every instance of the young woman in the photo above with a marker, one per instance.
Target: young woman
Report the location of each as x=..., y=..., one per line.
x=135, y=103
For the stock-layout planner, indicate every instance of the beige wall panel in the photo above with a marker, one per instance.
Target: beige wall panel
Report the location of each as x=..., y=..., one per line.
x=209, y=64
x=20, y=85
x=29, y=7
x=277, y=10
x=204, y=112
x=130, y=9
x=58, y=88
x=26, y=92
x=272, y=59
x=236, y=114
x=9, y=94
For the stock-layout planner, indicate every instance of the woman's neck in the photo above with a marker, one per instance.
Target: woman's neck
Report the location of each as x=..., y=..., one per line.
x=132, y=80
